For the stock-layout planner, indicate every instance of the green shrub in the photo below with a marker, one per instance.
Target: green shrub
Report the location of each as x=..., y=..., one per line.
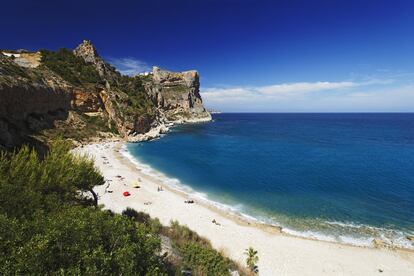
x=251, y=259
x=204, y=260
x=29, y=183
x=70, y=67
x=81, y=241
x=143, y=218
x=48, y=228
x=138, y=100
x=9, y=68
x=197, y=252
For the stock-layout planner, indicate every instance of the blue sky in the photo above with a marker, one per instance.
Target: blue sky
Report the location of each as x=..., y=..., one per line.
x=281, y=56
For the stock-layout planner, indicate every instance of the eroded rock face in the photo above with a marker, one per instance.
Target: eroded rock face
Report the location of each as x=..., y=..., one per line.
x=27, y=107
x=88, y=52
x=143, y=124
x=178, y=94
x=86, y=101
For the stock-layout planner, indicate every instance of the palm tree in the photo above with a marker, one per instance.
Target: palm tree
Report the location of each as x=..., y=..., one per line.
x=252, y=259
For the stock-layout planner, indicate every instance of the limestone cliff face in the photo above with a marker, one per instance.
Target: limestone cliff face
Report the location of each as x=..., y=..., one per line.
x=178, y=95
x=33, y=98
x=28, y=106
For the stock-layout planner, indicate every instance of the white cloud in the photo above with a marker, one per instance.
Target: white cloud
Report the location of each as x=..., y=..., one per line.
x=276, y=90
x=303, y=87
x=130, y=66
x=373, y=94
x=395, y=99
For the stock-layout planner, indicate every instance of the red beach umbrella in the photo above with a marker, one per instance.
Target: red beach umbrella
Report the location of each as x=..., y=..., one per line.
x=126, y=194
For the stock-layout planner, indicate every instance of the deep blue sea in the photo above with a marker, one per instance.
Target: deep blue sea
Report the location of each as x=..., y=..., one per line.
x=343, y=177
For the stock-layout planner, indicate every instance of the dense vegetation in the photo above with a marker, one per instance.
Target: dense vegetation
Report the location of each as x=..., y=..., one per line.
x=50, y=224
x=70, y=67
x=138, y=102
x=197, y=252
x=191, y=252
x=81, y=127
x=9, y=68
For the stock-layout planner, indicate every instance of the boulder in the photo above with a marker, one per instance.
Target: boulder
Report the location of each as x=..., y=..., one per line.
x=378, y=243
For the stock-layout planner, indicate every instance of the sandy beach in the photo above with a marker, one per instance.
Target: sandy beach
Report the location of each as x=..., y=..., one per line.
x=279, y=253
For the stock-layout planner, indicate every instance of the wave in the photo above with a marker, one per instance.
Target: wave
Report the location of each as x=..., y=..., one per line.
x=330, y=231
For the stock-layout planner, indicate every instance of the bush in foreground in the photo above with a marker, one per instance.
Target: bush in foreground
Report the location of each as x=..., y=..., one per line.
x=196, y=252
x=47, y=227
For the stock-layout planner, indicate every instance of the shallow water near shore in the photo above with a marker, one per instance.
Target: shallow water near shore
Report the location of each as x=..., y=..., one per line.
x=337, y=177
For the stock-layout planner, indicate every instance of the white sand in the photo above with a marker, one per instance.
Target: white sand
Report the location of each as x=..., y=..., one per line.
x=279, y=254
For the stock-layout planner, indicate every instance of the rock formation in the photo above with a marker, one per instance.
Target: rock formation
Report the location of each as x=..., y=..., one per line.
x=138, y=108
x=88, y=52
x=178, y=94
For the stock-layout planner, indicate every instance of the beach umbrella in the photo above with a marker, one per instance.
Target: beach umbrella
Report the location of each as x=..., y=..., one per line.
x=126, y=194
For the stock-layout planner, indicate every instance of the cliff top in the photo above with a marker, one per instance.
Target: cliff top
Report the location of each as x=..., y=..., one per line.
x=190, y=78
x=87, y=51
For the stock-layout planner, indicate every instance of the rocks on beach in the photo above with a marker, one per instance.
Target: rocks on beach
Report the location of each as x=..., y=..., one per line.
x=378, y=243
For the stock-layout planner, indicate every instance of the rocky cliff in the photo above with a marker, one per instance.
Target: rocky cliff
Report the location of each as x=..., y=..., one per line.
x=178, y=94
x=29, y=102
x=76, y=94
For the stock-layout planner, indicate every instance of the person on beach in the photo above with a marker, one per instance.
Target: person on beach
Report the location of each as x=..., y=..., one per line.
x=215, y=222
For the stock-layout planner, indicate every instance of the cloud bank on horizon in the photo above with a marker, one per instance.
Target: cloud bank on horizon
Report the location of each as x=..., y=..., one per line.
x=374, y=95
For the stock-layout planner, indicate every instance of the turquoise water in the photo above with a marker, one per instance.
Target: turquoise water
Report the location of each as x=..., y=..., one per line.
x=342, y=177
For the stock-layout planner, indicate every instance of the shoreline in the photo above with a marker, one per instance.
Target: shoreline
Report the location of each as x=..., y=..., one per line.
x=243, y=218
x=278, y=251
x=377, y=237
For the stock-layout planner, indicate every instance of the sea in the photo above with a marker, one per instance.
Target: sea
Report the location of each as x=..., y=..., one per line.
x=341, y=177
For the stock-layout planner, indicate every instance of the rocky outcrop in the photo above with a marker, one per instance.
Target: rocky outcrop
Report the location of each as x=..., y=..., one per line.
x=139, y=108
x=178, y=95
x=85, y=101
x=88, y=52
x=175, y=95
x=24, y=58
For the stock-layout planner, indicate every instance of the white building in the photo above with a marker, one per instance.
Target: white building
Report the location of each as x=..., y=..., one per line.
x=11, y=54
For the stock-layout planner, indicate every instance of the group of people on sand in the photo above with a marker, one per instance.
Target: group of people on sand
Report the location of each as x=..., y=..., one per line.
x=160, y=189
